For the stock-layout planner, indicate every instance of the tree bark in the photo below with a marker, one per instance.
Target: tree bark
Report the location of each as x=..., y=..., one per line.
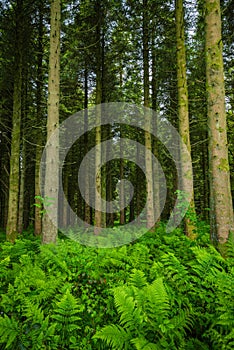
x=86, y=140
x=221, y=209
x=156, y=180
x=49, y=234
x=148, y=119
x=183, y=114
x=98, y=137
x=39, y=83
x=13, y=203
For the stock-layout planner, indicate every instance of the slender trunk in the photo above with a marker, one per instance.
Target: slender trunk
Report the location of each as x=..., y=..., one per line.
x=64, y=211
x=98, y=136
x=22, y=188
x=38, y=219
x=13, y=203
x=49, y=234
x=109, y=185
x=122, y=196
x=221, y=209
x=137, y=186
x=86, y=140
x=104, y=133
x=183, y=114
x=156, y=180
x=148, y=119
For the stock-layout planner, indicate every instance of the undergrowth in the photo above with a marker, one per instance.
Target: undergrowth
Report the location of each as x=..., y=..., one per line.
x=163, y=291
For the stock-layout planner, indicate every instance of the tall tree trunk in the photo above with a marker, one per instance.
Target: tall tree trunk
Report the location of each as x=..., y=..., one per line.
x=109, y=196
x=98, y=100
x=136, y=209
x=148, y=119
x=39, y=82
x=183, y=114
x=13, y=203
x=156, y=180
x=49, y=234
x=86, y=140
x=122, y=195
x=22, y=189
x=221, y=209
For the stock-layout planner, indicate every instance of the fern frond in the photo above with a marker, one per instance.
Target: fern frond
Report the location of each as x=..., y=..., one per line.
x=32, y=311
x=157, y=299
x=175, y=271
x=182, y=321
x=9, y=331
x=138, y=279
x=114, y=336
x=141, y=343
x=130, y=314
x=209, y=261
x=66, y=313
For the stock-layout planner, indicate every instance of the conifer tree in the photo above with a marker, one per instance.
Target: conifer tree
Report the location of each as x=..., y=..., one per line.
x=221, y=214
x=49, y=231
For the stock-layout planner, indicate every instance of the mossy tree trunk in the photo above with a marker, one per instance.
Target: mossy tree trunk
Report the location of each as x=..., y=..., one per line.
x=221, y=210
x=148, y=119
x=87, y=214
x=183, y=115
x=13, y=202
x=155, y=146
x=39, y=95
x=98, y=135
x=49, y=231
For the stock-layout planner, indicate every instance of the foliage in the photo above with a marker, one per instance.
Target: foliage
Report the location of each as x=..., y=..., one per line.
x=163, y=291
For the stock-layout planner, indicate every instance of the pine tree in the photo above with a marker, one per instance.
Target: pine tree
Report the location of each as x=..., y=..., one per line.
x=183, y=112
x=49, y=234
x=220, y=193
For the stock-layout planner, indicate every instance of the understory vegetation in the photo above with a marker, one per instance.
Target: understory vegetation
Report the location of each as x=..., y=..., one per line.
x=164, y=291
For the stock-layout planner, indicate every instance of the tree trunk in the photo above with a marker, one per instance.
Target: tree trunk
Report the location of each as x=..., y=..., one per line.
x=122, y=195
x=156, y=180
x=49, y=234
x=98, y=137
x=86, y=140
x=38, y=218
x=183, y=114
x=148, y=119
x=13, y=203
x=22, y=189
x=221, y=210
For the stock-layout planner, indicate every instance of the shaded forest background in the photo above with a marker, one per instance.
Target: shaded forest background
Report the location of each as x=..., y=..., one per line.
x=104, y=58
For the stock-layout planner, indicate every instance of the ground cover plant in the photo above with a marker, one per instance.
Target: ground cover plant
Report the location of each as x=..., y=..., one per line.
x=163, y=291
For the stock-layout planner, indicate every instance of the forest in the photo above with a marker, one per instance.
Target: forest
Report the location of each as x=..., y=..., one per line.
x=117, y=174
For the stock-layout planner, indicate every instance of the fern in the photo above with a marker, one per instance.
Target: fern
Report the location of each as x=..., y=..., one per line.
x=66, y=316
x=114, y=336
x=175, y=271
x=9, y=331
x=142, y=344
x=145, y=316
x=138, y=279
x=130, y=312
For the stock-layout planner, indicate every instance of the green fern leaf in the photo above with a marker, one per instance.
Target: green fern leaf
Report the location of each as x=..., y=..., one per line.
x=9, y=330
x=143, y=344
x=130, y=314
x=114, y=336
x=138, y=279
x=157, y=299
